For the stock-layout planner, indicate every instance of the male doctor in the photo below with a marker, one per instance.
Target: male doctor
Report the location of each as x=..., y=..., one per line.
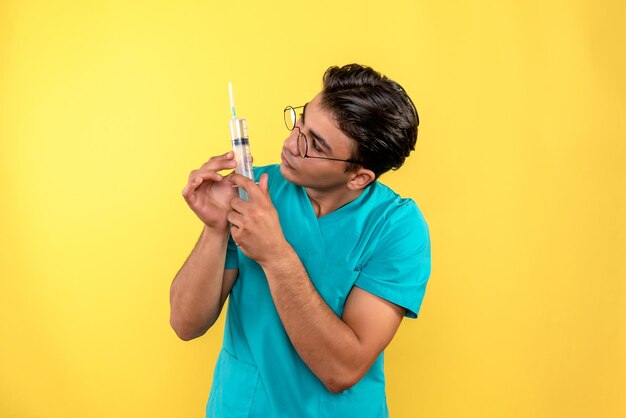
x=321, y=263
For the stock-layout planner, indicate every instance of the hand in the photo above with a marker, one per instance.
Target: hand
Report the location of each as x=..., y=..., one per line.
x=255, y=226
x=208, y=193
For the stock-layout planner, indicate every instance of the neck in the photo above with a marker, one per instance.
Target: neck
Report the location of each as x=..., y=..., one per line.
x=325, y=202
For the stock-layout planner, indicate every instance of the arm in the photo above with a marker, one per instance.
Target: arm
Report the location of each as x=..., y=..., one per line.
x=200, y=287
x=339, y=351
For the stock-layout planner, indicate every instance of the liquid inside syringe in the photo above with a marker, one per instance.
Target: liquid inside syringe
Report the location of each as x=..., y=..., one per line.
x=241, y=144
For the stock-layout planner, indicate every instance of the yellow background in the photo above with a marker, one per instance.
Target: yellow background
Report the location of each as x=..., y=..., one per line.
x=106, y=106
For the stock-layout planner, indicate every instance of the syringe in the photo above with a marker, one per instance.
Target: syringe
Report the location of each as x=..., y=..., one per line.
x=241, y=144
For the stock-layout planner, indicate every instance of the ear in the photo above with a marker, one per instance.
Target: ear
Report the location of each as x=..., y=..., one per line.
x=360, y=179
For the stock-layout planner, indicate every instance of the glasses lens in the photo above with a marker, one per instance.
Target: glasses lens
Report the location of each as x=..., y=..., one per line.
x=290, y=117
x=302, y=145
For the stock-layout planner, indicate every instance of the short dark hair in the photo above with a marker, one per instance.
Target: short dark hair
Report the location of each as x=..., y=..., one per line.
x=374, y=111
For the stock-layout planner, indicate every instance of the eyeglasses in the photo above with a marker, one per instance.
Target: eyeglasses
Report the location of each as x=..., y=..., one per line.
x=303, y=144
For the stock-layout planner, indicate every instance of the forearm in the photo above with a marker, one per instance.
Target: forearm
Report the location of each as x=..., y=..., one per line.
x=196, y=292
x=328, y=346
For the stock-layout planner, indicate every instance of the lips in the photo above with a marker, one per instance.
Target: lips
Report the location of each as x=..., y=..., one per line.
x=285, y=161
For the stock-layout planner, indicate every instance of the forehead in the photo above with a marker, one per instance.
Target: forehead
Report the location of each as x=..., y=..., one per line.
x=315, y=112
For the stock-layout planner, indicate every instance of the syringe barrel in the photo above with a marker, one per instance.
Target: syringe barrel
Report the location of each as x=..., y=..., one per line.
x=241, y=148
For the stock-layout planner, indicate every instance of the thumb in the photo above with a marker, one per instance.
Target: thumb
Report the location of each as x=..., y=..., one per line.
x=263, y=183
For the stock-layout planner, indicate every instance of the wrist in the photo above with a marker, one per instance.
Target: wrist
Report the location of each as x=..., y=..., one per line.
x=215, y=233
x=282, y=257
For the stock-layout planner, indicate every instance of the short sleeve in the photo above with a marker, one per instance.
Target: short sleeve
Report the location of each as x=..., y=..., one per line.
x=399, y=267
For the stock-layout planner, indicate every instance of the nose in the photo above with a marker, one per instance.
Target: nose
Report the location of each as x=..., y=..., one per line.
x=291, y=142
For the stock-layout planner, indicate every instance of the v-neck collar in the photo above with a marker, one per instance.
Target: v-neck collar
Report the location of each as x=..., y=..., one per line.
x=340, y=210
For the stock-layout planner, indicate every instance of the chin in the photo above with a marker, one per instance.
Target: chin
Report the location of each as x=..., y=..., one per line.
x=286, y=172
x=290, y=175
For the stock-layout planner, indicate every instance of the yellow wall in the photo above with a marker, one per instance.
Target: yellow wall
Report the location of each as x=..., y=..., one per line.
x=105, y=107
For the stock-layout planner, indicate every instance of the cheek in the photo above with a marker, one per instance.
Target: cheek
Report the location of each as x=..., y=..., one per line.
x=325, y=175
x=301, y=176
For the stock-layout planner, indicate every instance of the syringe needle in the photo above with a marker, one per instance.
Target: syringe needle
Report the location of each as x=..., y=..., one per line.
x=232, y=99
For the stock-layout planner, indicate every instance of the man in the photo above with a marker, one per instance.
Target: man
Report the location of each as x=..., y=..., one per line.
x=321, y=263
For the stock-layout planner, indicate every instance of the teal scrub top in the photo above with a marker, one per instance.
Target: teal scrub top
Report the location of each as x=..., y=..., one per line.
x=379, y=242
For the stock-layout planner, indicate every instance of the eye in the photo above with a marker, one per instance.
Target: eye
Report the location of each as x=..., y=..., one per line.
x=317, y=147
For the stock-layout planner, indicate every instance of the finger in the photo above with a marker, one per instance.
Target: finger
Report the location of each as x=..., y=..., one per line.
x=223, y=157
x=245, y=183
x=202, y=174
x=234, y=233
x=228, y=155
x=263, y=183
x=234, y=218
x=221, y=162
x=239, y=205
x=197, y=177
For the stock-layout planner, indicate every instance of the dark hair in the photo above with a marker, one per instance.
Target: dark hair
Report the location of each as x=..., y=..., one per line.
x=374, y=111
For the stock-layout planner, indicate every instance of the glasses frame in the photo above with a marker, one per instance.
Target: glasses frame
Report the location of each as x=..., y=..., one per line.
x=294, y=116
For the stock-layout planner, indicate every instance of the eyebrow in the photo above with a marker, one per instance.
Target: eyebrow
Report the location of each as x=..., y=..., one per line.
x=314, y=134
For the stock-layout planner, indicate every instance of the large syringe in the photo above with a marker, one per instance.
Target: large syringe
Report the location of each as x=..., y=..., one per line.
x=241, y=144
